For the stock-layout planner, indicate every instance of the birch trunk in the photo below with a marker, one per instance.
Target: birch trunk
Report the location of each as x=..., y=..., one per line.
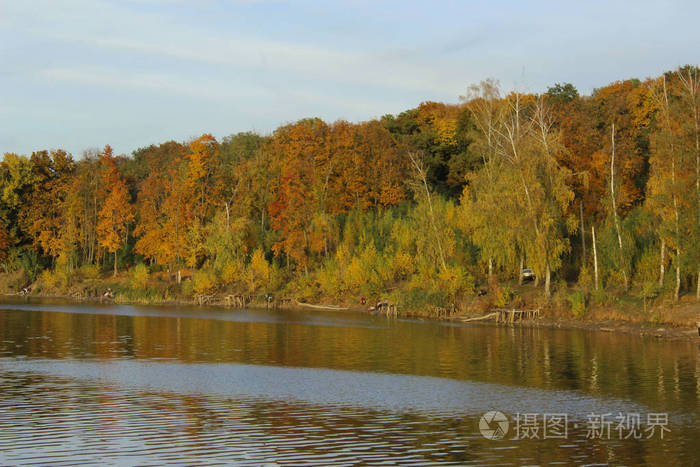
x=595, y=257
x=662, y=268
x=614, y=206
x=520, y=271
x=583, y=235
x=420, y=170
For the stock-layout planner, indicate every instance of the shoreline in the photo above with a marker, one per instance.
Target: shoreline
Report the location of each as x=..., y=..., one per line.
x=642, y=329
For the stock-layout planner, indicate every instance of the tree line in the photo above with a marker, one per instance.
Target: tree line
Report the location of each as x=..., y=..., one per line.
x=601, y=191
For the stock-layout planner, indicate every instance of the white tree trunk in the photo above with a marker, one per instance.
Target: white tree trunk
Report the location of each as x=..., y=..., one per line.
x=583, y=235
x=595, y=257
x=520, y=271
x=614, y=206
x=662, y=267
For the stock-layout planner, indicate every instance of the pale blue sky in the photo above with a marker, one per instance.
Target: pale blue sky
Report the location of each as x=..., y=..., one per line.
x=76, y=74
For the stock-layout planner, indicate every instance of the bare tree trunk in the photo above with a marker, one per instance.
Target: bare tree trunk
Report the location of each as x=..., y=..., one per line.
x=614, y=206
x=520, y=271
x=547, y=281
x=420, y=170
x=115, y=263
x=490, y=269
x=662, y=267
x=595, y=257
x=583, y=235
x=667, y=107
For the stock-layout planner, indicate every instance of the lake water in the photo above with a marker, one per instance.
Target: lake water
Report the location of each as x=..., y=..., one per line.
x=128, y=385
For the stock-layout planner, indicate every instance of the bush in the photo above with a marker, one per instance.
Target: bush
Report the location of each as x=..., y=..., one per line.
x=500, y=295
x=204, y=281
x=139, y=277
x=331, y=280
x=578, y=301
x=586, y=279
x=650, y=289
x=305, y=288
x=144, y=296
x=187, y=288
x=13, y=281
x=24, y=260
x=53, y=281
x=89, y=271
x=455, y=280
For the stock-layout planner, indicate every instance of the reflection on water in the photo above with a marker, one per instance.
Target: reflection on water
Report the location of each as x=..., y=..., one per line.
x=148, y=385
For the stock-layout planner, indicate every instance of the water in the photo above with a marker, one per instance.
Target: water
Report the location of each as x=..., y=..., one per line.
x=130, y=385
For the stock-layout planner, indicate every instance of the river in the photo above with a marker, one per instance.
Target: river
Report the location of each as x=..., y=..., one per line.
x=125, y=385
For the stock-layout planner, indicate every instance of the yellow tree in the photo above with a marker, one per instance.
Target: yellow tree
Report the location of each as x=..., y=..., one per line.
x=117, y=212
x=486, y=214
x=689, y=114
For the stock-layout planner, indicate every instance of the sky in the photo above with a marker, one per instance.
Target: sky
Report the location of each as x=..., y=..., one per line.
x=80, y=74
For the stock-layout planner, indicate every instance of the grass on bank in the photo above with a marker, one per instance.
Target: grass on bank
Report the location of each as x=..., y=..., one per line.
x=644, y=304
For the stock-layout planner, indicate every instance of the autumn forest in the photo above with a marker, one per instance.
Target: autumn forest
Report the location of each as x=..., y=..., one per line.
x=595, y=194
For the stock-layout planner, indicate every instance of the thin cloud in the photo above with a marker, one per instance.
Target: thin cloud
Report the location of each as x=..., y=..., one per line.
x=164, y=83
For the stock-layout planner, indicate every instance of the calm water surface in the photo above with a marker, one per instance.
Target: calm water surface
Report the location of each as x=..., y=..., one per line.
x=131, y=385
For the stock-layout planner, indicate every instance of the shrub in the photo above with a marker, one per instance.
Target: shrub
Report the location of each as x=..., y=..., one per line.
x=24, y=260
x=650, y=289
x=331, y=280
x=501, y=295
x=56, y=281
x=204, y=281
x=232, y=271
x=585, y=278
x=401, y=266
x=578, y=301
x=13, y=281
x=187, y=288
x=89, y=271
x=305, y=288
x=455, y=280
x=139, y=277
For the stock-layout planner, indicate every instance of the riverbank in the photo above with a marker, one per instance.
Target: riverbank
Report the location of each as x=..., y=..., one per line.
x=677, y=322
x=643, y=329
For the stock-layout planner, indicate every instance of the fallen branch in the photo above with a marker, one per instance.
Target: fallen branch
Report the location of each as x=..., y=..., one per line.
x=321, y=307
x=481, y=318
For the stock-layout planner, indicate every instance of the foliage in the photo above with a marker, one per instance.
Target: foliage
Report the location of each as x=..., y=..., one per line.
x=12, y=282
x=578, y=301
x=139, y=277
x=89, y=271
x=204, y=281
x=422, y=207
